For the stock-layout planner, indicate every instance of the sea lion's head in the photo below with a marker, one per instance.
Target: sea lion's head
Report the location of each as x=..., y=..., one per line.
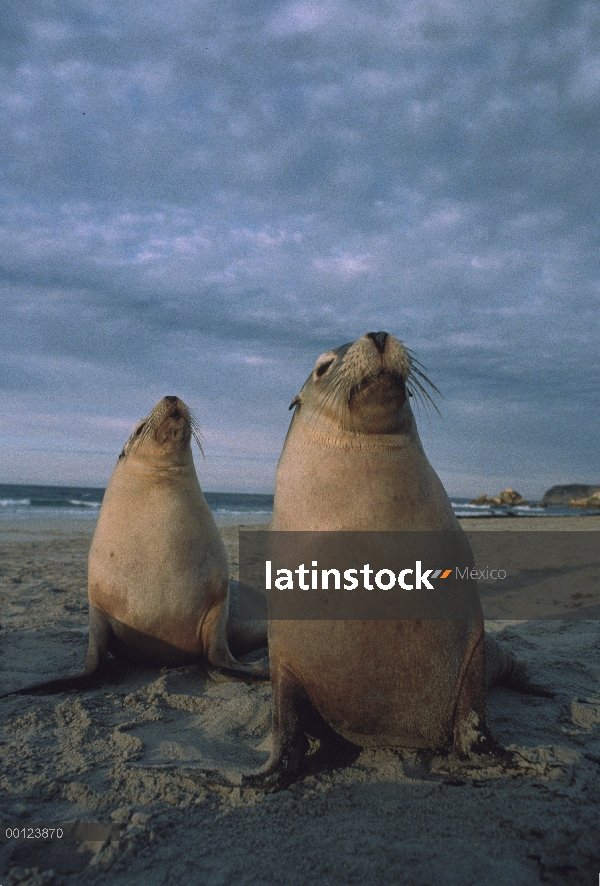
x=363, y=387
x=166, y=433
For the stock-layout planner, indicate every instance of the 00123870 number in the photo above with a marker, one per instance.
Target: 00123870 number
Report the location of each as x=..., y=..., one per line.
x=33, y=834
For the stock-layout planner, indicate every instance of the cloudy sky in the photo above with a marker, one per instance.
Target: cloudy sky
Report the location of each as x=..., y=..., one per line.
x=199, y=198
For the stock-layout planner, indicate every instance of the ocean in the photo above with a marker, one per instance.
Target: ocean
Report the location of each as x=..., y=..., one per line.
x=19, y=502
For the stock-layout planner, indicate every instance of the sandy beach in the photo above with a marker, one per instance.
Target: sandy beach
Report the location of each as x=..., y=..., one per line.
x=387, y=816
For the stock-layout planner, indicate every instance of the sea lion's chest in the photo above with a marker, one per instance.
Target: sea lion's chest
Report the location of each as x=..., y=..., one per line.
x=157, y=562
x=359, y=488
x=378, y=682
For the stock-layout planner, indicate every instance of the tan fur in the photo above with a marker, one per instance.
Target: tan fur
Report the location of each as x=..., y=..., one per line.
x=157, y=562
x=157, y=568
x=353, y=460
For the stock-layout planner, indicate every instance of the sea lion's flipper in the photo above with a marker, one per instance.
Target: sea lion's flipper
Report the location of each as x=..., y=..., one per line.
x=216, y=646
x=247, y=673
x=503, y=669
x=288, y=735
x=100, y=635
x=498, y=662
x=247, y=622
x=471, y=732
x=82, y=680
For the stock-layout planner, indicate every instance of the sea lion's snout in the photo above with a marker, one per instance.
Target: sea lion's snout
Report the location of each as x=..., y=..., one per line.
x=172, y=404
x=379, y=339
x=375, y=351
x=377, y=358
x=172, y=423
x=175, y=408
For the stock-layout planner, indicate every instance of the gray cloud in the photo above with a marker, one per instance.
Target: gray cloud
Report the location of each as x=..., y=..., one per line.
x=204, y=198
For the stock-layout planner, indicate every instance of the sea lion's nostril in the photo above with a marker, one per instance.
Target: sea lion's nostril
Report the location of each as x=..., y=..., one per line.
x=171, y=399
x=378, y=339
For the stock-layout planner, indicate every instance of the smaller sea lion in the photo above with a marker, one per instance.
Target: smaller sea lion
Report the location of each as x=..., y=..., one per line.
x=157, y=568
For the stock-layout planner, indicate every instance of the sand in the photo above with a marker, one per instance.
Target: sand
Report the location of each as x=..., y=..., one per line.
x=398, y=817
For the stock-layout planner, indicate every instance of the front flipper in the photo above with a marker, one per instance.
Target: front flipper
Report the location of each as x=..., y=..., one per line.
x=99, y=640
x=288, y=736
x=471, y=732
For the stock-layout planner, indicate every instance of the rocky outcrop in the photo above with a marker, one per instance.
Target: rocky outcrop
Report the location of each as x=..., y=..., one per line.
x=564, y=495
x=592, y=502
x=507, y=498
x=483, y=500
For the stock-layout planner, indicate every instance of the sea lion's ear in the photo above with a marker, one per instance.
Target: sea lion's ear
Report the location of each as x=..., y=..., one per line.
x=295, y=402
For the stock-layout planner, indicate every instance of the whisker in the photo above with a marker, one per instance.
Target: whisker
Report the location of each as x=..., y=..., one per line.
x=416, y=385
x=338, y=394
x=415, y=371
x=423, y=398
x=197, y=437
x=195, y=429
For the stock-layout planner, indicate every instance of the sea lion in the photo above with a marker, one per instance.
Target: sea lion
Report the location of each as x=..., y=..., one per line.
x=353, y=461
x=157, y=568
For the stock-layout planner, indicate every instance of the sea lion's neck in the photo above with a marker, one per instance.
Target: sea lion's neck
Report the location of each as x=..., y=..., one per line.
x=319, y=430
x=158, y=468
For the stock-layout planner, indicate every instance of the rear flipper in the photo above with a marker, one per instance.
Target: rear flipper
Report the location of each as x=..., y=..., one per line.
x=246, y=673
x=503, y=669
x=288, y=735
x=247, y=622
x=100, y=636
x=216, y=647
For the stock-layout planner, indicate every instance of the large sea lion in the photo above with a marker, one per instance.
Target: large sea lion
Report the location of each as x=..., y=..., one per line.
x=353, y=461
x=157, y=569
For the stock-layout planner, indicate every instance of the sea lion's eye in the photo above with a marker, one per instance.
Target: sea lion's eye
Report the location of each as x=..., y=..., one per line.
x=322, y=368
x=139, y=429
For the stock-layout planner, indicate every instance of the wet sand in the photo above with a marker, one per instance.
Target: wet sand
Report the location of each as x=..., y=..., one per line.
x=399, y=817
